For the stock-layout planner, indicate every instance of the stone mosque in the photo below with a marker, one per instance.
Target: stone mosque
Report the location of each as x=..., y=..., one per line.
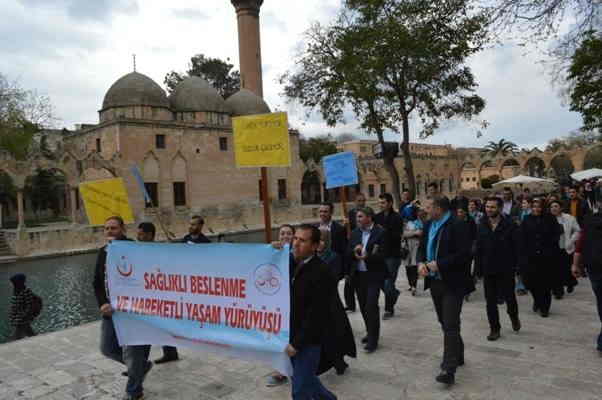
x=183, y=146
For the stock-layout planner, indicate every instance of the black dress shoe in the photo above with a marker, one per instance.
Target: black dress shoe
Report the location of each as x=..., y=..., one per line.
x=535, y=308
x=570, y=289
x=516, y=324
x=446, y=378
x=558, y=296
x=544, y=314
x=342, y=368
x=387, y=315
x=370, y=349
x=493, y=335
x=365, y=339
x=164, y=360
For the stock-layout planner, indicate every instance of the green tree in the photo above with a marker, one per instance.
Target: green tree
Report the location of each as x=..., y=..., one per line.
x=487, y=183
x=389, y=61
x=22, y=114
x=315, y=148
x=500, y=148
x=218, y=73
x=585, y=79
x=45, y=188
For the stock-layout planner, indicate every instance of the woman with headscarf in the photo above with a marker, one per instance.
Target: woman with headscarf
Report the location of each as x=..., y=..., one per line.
x=539, y=235
x=340, y=341
x=20, y=314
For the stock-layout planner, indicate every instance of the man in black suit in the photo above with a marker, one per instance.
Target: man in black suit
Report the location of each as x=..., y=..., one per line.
x=338, y=233
x=443, y=259
x=366, y=250
x=312, y=287
x=349, y=291
x=392, y=223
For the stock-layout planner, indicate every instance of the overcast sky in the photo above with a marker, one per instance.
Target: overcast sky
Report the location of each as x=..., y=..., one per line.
x=73, y=50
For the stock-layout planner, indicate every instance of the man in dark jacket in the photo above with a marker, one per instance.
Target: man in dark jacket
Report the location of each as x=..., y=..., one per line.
x=349, y=291
x=392, y=223
x=338, y=233
x=444, y=260
x=311, y=291
x=588, y=255
x=195, y=231
x=368, y=271
x=576, y=206
x=496, y=261
x=134, y=357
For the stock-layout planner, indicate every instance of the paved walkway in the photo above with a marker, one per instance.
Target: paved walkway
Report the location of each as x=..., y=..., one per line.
x=551, y=359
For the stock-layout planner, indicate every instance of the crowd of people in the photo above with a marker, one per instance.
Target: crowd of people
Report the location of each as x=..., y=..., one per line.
x=528, y=244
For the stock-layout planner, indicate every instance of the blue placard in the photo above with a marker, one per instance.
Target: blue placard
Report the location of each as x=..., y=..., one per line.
x=340, y=169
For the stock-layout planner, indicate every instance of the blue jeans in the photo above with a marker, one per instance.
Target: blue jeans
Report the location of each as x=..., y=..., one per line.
x=306, y=385
x=135, y=358
x=391, y=292
x=595, y=278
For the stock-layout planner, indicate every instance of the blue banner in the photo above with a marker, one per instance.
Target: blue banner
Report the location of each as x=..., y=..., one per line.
x=227, y=298
x=340, y=169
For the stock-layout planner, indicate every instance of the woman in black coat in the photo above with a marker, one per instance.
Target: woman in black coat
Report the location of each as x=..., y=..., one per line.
x=539, y=255
x=340, y=341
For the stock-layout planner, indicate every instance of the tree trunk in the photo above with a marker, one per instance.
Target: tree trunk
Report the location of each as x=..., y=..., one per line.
x=407, y=156
x=389, y=163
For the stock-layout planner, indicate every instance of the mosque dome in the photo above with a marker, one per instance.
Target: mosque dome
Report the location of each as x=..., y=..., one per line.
x=246, y=102
x=196, y=94
x=135, y=89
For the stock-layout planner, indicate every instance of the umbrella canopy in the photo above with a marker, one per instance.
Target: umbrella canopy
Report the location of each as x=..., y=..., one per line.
x=587, y=174
x=522, y=180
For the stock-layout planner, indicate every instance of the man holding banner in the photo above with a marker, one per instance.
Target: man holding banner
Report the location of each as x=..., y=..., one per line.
x=134, y=357
x=312, y=287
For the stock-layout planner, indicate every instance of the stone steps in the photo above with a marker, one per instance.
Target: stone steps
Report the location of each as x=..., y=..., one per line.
x=5, y=249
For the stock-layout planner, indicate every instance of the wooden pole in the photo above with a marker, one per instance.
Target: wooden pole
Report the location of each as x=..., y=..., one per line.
x=265, y=194
x=344, y=206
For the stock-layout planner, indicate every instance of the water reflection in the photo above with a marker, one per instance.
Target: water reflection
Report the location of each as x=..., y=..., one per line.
x=65, y=285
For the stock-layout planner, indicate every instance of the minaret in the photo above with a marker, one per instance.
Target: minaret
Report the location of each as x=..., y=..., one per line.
x=249, y=44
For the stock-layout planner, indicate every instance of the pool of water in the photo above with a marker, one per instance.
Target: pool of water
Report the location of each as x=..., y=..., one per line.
x=65, y=286
x=63, y=283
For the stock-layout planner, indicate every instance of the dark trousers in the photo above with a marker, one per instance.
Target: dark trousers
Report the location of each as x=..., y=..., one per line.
x=595, y=278
x=306, y=385
x=23, y=331
x=389, y=289
x=368, y=289
x=412, y=275
x=448, y=305
x=565, y=277
x=349, y=294
x=135, y=358
x=496, y=287
x=540, y=286
x=170, y=352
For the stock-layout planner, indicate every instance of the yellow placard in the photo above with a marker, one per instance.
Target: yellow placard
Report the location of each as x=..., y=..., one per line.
x=106, y=198
x=262, y=140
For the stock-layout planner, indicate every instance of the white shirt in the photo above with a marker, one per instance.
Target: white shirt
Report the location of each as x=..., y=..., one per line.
x=361, y=265
x=507, y=208
x=325, y=226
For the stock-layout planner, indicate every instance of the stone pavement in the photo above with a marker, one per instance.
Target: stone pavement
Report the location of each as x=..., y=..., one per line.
x=551, y=359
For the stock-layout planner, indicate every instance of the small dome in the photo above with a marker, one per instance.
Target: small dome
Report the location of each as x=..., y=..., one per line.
x=246, y=102
x=196, y=94
x=135, y=89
